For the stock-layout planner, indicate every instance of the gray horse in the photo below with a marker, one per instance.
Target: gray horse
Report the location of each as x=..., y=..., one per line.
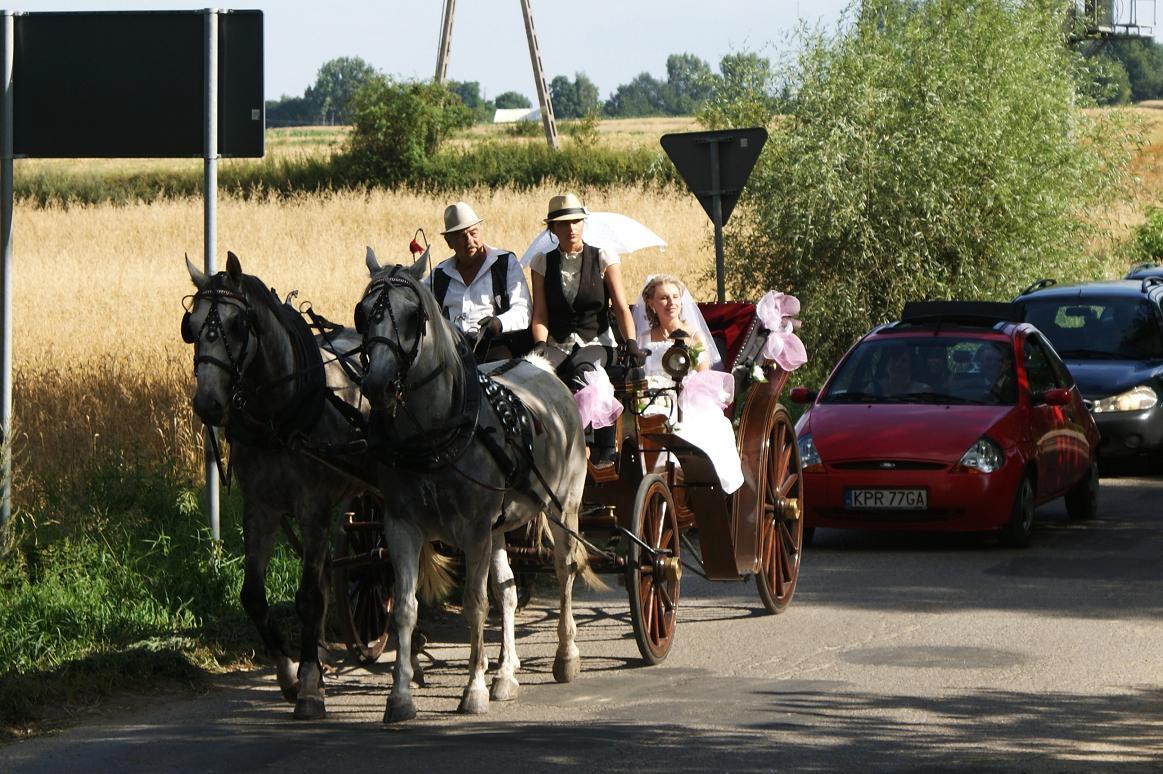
x=263, y=376
x=454, y=451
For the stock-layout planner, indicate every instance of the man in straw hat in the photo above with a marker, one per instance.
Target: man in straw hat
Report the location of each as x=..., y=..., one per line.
x=480, y=288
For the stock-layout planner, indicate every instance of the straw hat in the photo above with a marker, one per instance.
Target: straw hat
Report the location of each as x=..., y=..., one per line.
x=458, y=217
x=565, y=207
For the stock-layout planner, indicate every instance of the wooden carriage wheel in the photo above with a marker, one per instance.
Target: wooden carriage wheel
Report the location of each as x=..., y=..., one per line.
x=363, y=593
x=653, y=584
x=781, y=527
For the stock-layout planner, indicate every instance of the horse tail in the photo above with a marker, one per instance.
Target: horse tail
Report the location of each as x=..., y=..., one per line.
x=579, y=556
x=436, y=575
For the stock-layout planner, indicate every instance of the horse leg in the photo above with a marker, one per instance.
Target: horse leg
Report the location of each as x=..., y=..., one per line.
x=258, y=527
x=475, y=699
x=504, y=589
x=311, y=604
x=403, y=541
x=568, y=554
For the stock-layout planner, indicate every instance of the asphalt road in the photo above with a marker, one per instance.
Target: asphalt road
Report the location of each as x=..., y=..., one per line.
x=898, y=653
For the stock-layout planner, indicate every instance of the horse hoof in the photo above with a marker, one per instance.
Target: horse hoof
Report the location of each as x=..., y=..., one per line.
x=474, y=702
x=398, y=712
x=504, y=689
x=565, y=670
x=310, y=709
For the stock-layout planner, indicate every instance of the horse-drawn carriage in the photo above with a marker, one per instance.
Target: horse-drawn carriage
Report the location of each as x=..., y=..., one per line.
x=658, y=507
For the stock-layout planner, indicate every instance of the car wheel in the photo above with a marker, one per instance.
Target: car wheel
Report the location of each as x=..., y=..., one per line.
x=1082, y=500
x=1020, y=528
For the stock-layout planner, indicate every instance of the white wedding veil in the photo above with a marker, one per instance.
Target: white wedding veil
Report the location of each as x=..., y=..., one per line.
x=695, y=322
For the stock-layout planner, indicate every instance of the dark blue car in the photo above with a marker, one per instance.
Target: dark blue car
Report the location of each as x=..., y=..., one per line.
x=1110, y=335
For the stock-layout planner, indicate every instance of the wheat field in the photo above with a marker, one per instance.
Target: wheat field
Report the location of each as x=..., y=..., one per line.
x=100, y=371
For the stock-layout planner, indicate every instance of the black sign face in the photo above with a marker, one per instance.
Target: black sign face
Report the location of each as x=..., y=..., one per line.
x=113, y=84
x=736, y=151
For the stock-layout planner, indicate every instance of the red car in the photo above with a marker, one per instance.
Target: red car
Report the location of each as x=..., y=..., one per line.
x=959, y=417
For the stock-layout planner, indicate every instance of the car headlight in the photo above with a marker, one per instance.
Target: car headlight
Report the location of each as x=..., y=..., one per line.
x=808, y=454
x=1139, y=398
x=983, y=455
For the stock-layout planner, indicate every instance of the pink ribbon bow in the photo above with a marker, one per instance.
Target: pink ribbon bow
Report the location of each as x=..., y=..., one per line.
x=776, y=311
x=596, y=401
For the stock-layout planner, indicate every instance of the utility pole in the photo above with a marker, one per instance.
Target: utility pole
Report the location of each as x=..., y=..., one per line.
x=547, y=119
x=445, y=41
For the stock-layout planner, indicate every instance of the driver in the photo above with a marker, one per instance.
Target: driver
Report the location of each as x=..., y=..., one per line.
x=481, y=288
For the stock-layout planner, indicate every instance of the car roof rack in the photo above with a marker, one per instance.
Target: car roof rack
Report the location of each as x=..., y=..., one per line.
x=1148, y=282
x=968, y=313
x=1045, y=282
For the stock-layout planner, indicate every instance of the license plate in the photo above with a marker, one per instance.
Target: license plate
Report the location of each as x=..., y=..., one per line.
x=886, y=499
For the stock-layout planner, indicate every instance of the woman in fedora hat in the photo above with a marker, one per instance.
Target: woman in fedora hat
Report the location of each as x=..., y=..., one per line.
x=575, y=288
x=481, y=289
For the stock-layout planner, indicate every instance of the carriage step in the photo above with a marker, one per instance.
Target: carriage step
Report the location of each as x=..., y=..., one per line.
x=603, y=519
x=603, y=473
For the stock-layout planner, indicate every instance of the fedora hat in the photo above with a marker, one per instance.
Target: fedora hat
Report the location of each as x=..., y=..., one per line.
x=458, y=217
x=565, y=207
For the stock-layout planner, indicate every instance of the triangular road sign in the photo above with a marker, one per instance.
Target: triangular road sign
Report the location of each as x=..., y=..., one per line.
x=693, y=154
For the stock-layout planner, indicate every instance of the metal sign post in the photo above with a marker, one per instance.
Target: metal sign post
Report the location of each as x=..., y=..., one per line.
x=715, y=166
x=210, y=238
x=6, y=276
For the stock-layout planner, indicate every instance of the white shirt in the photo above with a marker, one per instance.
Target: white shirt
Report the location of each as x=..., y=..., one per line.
x=467, y=305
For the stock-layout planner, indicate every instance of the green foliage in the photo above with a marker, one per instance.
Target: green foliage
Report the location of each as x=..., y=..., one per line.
x=929, y=150
x=743, y=95
x=643, y=96
x=335, y=84
x=512, y=99
x=1143, y=60
x=584, y=131
x=524, y=129
x=573, y=99
x=116, y=580
x=1148, y=238
x=397, y=126
x=1104, y=80
x=689, y=83
x=470, y=94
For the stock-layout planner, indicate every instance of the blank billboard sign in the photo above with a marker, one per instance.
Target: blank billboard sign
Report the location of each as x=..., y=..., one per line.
x=131, y=84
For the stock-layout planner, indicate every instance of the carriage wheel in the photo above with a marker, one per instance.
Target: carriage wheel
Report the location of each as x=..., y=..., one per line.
x=781, y=526
x=364, y=593
x=653, y=584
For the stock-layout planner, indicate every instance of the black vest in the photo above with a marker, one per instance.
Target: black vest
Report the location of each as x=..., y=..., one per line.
x=517, y=342
x=589, y=314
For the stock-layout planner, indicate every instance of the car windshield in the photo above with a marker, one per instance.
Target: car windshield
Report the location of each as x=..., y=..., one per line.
x=1098, y=328
x=945, y=369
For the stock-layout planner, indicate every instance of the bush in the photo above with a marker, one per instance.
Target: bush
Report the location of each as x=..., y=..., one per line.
x=1148, y=237
x=928, y=150
x=398, y=126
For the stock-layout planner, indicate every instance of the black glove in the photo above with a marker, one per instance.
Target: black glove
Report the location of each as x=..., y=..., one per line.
x=634, y=354
x=490, y=327
x=539, y=349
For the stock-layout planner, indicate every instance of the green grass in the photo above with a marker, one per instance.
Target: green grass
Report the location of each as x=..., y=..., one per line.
x=117, y=584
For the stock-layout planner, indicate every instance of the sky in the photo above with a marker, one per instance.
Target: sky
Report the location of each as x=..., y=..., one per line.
x=611, y=41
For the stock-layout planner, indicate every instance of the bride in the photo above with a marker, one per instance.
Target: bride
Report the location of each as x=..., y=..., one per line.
x=667, y=307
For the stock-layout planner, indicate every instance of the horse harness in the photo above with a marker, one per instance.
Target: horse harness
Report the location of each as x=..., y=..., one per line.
x=286, y=425
x=440, y=447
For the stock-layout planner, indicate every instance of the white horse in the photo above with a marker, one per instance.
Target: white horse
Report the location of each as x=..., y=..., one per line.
x=465, y=458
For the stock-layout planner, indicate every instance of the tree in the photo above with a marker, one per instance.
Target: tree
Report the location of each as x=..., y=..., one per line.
x=1143, y=60
x=742, y=95
x=930, y=149
x=336, y=82
x=573, y=99
x=398, y=126
x=689, y=81
x=512, y=99
x=642, y=96
x=470, y=94
x=564, y=97
x=1104, y=80
x=290, y=111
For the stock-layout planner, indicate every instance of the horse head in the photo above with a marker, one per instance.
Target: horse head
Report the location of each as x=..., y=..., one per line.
x=394, y=315
x=220, y=323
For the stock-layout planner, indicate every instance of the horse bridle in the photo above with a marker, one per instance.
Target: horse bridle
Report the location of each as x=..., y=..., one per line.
x=383, y=307
x=212, y=328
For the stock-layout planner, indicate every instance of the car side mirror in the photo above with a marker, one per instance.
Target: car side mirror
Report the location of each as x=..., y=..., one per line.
x=802, y=395
x=1059, y=396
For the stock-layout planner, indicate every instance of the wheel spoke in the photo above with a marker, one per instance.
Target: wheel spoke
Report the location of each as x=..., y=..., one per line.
x=788, y=484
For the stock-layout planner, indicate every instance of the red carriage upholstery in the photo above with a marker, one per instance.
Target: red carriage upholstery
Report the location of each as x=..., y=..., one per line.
x=730, y=323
